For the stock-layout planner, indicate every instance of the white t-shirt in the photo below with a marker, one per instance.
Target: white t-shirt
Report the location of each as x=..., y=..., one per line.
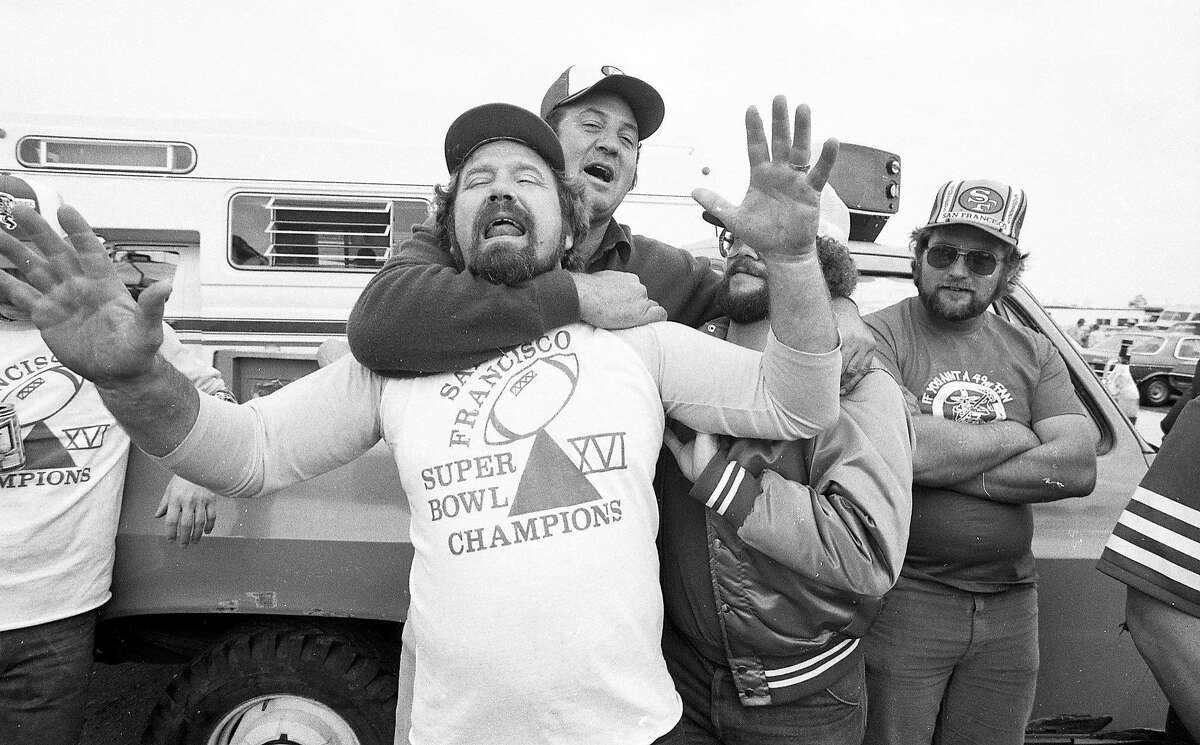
x=58, y=513
x=536, y=614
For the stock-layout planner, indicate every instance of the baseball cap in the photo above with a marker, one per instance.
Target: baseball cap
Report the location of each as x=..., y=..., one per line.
x=579, y=80
x=500, y=121
x=992, y=206
x=833, y=222
x=18, y=191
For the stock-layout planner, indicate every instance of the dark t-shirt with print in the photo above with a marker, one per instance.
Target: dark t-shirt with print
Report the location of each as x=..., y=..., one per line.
x=993, y=372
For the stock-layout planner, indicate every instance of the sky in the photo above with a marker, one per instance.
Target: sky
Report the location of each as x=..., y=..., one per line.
x=1093, y=107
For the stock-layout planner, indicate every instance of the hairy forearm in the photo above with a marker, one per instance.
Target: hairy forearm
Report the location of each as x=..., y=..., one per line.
x=157, y=409
x=948, y=453
x=801, y=316
x=1048, y=472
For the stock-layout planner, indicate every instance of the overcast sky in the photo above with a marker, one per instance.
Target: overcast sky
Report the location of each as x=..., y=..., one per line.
x=1091, y=106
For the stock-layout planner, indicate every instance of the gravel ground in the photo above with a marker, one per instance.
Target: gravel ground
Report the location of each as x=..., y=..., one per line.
x=120, y=699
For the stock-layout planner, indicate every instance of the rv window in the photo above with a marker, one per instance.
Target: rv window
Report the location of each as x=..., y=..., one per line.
x=318, y=232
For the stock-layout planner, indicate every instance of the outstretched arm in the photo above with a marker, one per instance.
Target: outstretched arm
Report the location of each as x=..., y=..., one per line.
x=1063, y=464
x=95, y=328
x=778, y=217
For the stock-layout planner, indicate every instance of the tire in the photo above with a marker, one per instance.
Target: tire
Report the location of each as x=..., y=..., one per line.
x=1155, y=392
x=254, y=688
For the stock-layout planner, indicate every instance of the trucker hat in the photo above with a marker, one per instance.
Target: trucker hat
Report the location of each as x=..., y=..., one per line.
x=579, y=80
x=992, y=206
x=500, y=121
x=833, y=222
x=16, y=191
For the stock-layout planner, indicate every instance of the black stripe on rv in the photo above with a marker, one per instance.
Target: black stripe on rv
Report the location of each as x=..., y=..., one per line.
x=257, y=326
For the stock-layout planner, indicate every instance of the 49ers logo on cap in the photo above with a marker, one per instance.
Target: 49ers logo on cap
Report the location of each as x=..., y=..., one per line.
x=981, y=199
x=7, y=202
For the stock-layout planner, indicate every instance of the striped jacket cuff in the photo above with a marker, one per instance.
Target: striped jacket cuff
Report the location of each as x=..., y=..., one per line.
x=727, y=489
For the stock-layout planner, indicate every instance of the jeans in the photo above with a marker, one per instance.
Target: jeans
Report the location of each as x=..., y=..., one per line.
x=44, y=674
x=948, y=666
x=712, y=712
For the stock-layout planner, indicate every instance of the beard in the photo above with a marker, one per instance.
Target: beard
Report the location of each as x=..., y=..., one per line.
x=938, y=308
x=746, y=306
x=509, y=266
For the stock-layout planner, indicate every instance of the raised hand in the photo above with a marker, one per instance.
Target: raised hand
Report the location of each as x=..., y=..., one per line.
x=71, y=291
x=778, y=216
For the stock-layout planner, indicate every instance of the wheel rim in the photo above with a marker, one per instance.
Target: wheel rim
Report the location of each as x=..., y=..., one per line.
x=282, y=720
x=1157, y=392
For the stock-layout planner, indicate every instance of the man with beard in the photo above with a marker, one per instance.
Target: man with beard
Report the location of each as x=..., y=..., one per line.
x=423, y=313
x=953, y=656
x=776, y=555
x=535, y=609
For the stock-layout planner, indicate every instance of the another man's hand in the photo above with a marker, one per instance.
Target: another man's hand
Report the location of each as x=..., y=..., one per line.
x=694, y=456
x=615, y=300
x=858, y=343
x=778, y=216
x=191, y=511
x=85, y=314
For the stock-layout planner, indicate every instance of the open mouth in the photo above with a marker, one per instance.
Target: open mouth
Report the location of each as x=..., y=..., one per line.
x=599, y=171
x=503, y=226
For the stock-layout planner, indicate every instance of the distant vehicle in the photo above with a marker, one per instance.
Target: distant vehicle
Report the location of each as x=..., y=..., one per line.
x=1173, y=314
x=1153, y=355
x=1185, y=327
x=1183, y=376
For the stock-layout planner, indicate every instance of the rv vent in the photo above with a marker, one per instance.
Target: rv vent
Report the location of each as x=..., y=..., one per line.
x=350, y=231
x=321, y=232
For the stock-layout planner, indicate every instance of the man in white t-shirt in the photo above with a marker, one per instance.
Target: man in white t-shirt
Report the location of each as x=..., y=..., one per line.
x=62, y=467
x=536, y=614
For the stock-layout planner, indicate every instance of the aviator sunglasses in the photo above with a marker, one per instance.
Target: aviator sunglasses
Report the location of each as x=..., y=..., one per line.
x=941, y=255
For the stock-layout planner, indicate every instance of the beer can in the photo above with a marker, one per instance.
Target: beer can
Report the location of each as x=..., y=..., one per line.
x=12, y=450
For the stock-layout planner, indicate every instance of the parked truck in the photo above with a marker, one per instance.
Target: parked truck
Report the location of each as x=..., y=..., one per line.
x=288, y=617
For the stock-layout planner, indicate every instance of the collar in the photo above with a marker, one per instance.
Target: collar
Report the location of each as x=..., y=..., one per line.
x=616, y=238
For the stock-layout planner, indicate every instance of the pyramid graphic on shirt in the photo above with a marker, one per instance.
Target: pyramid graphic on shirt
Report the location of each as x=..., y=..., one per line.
x=550, y=480
x=43, y=450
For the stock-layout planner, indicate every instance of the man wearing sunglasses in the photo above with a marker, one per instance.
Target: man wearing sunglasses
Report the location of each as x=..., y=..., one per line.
x=776, y=554
x=953, y=656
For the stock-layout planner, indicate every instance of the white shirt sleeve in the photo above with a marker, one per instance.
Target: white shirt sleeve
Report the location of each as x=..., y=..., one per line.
x=205, y=377
x=718, y=387
x=310, y=426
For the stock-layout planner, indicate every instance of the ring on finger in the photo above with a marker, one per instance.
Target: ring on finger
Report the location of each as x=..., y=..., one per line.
x=801, y=168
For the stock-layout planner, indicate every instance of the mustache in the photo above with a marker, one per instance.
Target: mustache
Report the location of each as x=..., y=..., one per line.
x=490, y=211
x=744, y=265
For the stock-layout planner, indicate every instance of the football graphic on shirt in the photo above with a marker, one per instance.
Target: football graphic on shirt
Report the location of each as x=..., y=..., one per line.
x=532, y=398
x=43, y=395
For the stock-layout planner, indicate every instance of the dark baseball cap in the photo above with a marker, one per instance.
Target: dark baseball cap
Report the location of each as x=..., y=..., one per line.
x=500, y=121
x=577, y=81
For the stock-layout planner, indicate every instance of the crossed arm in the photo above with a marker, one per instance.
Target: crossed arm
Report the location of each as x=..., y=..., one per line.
x=1006, y=461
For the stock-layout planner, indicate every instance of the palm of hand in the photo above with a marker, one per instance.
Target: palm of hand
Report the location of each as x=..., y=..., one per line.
x=780, y=210
x=94, y=327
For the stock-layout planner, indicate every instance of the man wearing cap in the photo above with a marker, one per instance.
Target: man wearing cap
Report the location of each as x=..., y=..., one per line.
x=535, y=609
x=62, y=467
x=422, y=313
x=776, y=554
x=953, y=656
